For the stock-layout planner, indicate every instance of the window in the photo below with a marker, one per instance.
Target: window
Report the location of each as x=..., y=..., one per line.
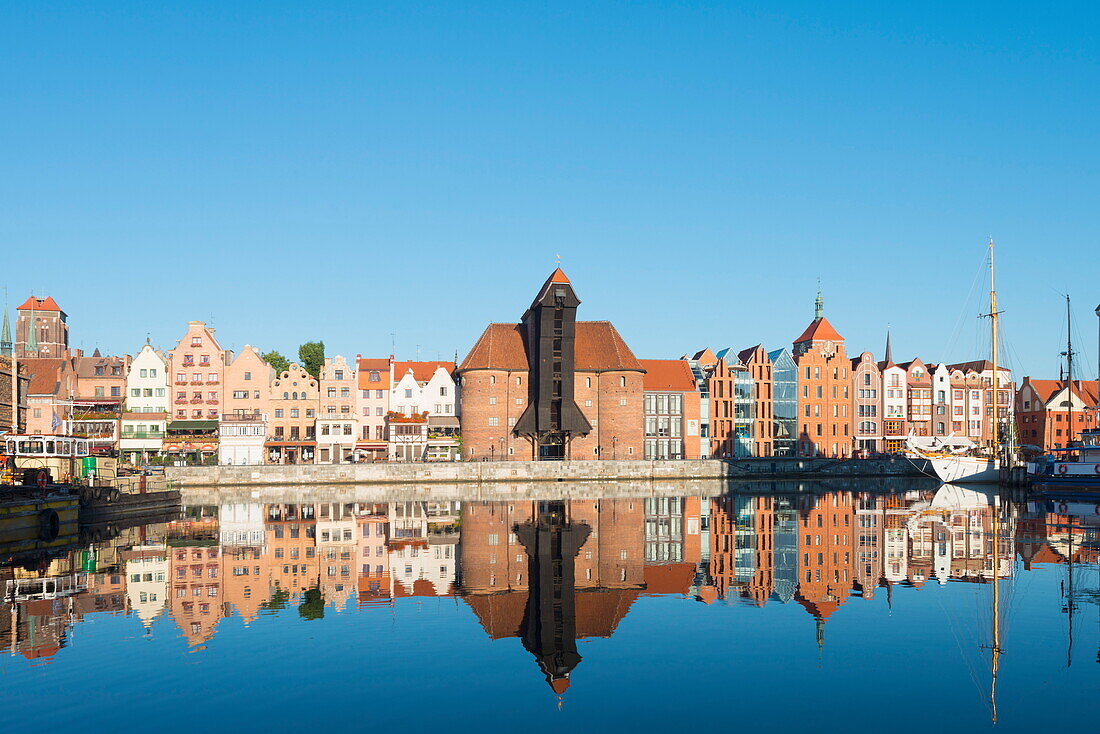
x=374, y=377
x=494, y=421
x=408, y=393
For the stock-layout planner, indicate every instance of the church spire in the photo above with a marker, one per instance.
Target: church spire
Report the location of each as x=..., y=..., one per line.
x=5, y=335
x=889, y=352
x=819, y=303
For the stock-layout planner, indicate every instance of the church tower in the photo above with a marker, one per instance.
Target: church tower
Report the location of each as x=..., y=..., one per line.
x=552, y=418
x=41, y=329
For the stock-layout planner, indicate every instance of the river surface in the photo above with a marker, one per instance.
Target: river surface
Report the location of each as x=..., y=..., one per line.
x=767, y=607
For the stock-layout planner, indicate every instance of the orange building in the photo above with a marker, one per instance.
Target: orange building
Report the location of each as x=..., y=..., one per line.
x=195, y=600
x=826, y=555
x=759, y=365
x=824, y=378
x=295, y=399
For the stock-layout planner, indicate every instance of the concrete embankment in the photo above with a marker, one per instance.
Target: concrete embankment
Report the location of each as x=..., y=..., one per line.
x=514, y=472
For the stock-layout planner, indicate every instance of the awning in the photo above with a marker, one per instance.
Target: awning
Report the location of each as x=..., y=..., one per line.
x=192, y=425
x=371, y=445
x=442, y=421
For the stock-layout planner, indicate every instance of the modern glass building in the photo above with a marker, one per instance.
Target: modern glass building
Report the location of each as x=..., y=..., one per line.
x=744, y=413
x=784, y=402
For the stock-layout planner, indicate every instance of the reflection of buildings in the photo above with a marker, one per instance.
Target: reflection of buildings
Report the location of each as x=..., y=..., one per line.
x=552, y=573
x=547, y=574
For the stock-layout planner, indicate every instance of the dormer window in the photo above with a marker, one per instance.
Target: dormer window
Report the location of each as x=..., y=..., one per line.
x=375, y=377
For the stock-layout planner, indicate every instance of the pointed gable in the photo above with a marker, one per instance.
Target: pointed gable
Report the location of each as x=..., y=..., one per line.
x=819, y=330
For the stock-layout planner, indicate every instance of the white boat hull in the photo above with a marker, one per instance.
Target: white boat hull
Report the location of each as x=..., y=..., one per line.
x=964, y=469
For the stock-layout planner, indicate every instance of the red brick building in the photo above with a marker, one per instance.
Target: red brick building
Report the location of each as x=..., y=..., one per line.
x=584, y=395
x=1049, y=414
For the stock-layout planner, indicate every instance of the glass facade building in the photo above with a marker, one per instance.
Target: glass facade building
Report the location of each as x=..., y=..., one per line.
x=784, y=402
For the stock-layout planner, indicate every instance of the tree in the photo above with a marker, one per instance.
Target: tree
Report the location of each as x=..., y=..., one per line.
x=312, y=358
x=313, y=606
x=276, y=360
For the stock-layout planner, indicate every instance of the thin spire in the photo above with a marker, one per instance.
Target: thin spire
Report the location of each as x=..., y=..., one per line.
x=819, y=303
x=5, y=335
x=889, y=352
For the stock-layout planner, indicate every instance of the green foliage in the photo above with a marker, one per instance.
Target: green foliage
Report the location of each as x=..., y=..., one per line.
x=311, y=356
x=278, y=600
x=278, y=361
x=313, y=607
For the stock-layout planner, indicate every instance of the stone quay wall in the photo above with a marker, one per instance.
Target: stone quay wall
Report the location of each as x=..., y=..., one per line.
x=513, y=472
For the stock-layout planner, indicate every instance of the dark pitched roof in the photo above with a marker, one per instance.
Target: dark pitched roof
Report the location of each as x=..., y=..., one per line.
x=598, y=347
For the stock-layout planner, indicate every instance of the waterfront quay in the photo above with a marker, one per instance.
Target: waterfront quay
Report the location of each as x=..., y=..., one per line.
x=478, y=472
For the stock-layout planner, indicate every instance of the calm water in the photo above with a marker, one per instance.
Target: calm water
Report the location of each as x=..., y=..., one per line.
x=777, y=607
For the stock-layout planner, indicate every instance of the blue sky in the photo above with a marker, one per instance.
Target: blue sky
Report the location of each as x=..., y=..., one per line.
x=350, y=170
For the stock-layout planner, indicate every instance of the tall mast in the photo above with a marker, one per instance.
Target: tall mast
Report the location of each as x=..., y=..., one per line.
x=1069, y=369
x=993, y=320
x=996, y=647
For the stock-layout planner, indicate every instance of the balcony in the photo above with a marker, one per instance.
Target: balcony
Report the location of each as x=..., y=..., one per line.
x=143, y=434
x=243, y=417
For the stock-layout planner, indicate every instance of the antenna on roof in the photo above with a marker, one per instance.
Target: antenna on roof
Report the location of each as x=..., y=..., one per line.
x=393, y=342
x=417, y=352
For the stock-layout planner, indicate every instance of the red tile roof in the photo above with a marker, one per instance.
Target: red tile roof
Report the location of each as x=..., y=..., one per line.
x=558, y=276
x=819, y=329
x=1047, y=389
x=365, y=366
x=45, y=375
x=598, y=347
x=39, y=304
x=668, y=374
x=422, y=371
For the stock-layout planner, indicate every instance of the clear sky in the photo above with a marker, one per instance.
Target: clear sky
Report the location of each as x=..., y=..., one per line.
x=345, y=171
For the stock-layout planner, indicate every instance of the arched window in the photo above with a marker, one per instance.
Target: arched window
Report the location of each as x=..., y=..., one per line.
x=622, y=381
x=286, y=396
x=588, y=382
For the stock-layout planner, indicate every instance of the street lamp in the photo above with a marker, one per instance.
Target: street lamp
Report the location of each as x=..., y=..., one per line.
x=502, y=448
x=614, y=445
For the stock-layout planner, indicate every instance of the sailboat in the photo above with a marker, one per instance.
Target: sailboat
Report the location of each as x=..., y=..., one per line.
x=967, y=468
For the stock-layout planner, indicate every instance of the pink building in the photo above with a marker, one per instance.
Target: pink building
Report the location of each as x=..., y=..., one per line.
x=197, y=372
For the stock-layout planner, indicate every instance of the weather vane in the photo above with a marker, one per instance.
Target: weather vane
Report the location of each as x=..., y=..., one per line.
x=557, y=260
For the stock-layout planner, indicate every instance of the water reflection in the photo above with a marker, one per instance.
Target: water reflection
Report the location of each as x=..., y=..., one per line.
x=547, y=572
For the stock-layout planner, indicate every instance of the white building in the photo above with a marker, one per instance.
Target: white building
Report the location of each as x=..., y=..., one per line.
x=421, y=388
x=145, y=418
x=241, y=438
x=337, y=419
x=147, y=581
